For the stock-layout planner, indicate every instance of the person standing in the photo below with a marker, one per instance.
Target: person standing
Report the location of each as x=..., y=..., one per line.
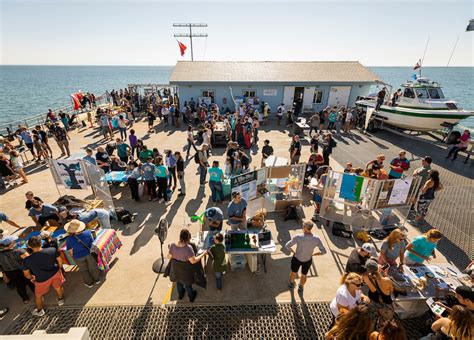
x=216, y=175
x=190, y=140
x=424, y=170
x=358, y=257
x=79, y=244
x=122, y=126
x=203, y=164
x=380, y=98
x=123, y=150
x=280, y=111
x=219, y=262
x=148, y=175
x=180, y=170
x=44, y=139
x=398, y=165
x=392, y=248
x=11, y=262
x=102, y=158
x=132, y=180
x=314, y=123
x=422, y=248
x=61, y=137
x=237, y=212
x=295, y=150
x=170, y=162
x=395, y=97
x=161, y=173
x=328, y=144
x=43, y=268
x=303, y=256
x=427, y=196
x=88, y=157
x=132, y=138
x=332, y=119
x=267, y=151
x=27, y=138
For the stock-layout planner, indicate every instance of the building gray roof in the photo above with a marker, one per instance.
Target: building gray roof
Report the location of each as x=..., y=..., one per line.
x=271, y=71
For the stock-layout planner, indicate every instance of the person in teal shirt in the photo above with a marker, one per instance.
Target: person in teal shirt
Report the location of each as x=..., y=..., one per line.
x=161, y=173
x=123, y=150
x=422, y=247
x=216, y=175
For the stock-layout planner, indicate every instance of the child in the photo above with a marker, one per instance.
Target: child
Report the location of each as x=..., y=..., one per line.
x=17, y=165
x=219, y=264
x=348, y=168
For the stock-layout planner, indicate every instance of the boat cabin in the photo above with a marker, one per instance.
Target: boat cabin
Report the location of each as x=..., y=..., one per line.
x=424, y=92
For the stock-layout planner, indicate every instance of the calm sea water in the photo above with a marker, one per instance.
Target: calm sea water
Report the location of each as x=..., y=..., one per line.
x=30, y=90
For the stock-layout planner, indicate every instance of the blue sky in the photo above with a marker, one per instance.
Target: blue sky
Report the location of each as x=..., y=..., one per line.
x=110, y=32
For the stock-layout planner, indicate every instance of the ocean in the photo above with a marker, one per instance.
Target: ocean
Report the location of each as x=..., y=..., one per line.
x=31, y=90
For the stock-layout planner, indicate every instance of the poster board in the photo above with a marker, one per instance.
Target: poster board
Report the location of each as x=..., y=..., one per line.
x=206, y=100
x=248, y=184
x=270, y=92
x=70, y=173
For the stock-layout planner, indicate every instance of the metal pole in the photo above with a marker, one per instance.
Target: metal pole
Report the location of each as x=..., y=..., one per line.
x=191, y=39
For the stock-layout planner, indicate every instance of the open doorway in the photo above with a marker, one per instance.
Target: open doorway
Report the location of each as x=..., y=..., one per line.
x=298, y=99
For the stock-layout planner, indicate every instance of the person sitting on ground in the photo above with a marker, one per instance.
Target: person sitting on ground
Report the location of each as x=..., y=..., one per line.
x=79, y=244
x=358, y=258
x=390, y=330
x=422, y=247
x=463, y=143
x=42, y=268
x=348, y=295
x=41, y=213
x=213, y=219
x=356, y=324
x=303, y=256
x=219, y=262
x=236, y=212
x=393, y=247
x=458, y=325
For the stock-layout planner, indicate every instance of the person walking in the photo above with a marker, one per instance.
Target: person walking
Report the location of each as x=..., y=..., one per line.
x=79, y=244
x=43, y=268
x=216, y=175
x=303, y=255
x=132, y=138
x=44, y=139
x=203, y=164
x=180, y=171
x=190, y=140
x=328, y=144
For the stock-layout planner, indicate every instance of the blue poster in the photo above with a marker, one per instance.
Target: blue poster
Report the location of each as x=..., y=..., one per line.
x=351, y=187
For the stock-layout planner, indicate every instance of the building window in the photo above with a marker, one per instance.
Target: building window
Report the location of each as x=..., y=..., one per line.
x=249, y=93
x=209, y=93
x=318, y=97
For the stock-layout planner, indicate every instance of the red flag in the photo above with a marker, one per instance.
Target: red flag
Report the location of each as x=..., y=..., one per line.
x=76, y=100
x=182, y=48
x=417, y=66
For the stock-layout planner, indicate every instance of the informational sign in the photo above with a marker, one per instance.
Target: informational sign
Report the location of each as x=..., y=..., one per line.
x=351, y=187
x=400, y=191
x=206, y=100
x=270, y=92
x=70, y=173
x=247, y=184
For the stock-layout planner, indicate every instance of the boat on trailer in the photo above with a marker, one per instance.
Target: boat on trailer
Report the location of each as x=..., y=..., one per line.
x=421, y=106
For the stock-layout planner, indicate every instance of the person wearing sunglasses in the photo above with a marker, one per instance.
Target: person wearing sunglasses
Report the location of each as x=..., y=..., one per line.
x=348, y=295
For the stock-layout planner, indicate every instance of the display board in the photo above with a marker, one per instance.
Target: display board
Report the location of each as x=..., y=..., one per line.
x=69, y=173
x=248, y=184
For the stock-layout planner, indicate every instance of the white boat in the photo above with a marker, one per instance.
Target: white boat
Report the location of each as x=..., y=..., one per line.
x=421, y=107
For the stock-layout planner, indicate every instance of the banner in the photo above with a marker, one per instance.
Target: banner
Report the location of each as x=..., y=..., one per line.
x=70, y=173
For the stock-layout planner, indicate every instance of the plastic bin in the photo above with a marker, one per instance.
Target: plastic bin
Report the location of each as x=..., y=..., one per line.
x=237, y=262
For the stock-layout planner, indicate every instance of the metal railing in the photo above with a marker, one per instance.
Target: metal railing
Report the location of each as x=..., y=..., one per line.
x=40, y=119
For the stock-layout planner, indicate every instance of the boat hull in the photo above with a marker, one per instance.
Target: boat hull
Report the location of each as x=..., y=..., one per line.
x=416, y=119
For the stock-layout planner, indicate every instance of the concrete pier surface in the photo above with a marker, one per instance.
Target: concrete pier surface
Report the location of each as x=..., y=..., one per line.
x=131, y=281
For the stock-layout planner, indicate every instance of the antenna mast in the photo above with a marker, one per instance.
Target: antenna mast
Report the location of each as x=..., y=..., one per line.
x=190, y=35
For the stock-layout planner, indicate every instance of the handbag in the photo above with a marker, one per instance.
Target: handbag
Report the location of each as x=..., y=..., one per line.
x=93, y=253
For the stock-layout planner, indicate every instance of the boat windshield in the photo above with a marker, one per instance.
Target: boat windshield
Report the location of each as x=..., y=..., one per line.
x=421, y=93
x=435, y=93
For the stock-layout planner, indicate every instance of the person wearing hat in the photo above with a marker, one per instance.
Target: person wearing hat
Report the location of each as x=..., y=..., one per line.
x=79, y=244
x=236, y=212
x=213, y=218
x=11, y=259
x=358, y=258
x=4, y=218
x=42, y=268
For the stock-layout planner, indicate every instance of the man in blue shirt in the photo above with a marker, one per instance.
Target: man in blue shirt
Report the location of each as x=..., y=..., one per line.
x=80, y=243
x=236, y=212
x=89, y=157
x=216, y=175
x=26, y=137
x=41, y=213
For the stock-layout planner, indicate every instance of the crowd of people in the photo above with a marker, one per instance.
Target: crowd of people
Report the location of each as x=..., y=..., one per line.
x=154, y=174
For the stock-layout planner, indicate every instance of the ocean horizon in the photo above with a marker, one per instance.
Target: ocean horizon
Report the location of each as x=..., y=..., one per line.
x=28, y=90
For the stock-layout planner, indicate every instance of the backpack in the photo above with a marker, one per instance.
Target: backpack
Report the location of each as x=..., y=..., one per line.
x=291, y=213
x=123, y=215
x=196, y=158
x=244, y=160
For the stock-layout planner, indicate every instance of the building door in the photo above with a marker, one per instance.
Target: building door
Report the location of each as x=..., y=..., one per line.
x=339, y=95
x=308, y=98
x=298, y=99
x=288, y=96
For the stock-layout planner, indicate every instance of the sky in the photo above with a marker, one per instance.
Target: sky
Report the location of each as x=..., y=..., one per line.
x=114, y=32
